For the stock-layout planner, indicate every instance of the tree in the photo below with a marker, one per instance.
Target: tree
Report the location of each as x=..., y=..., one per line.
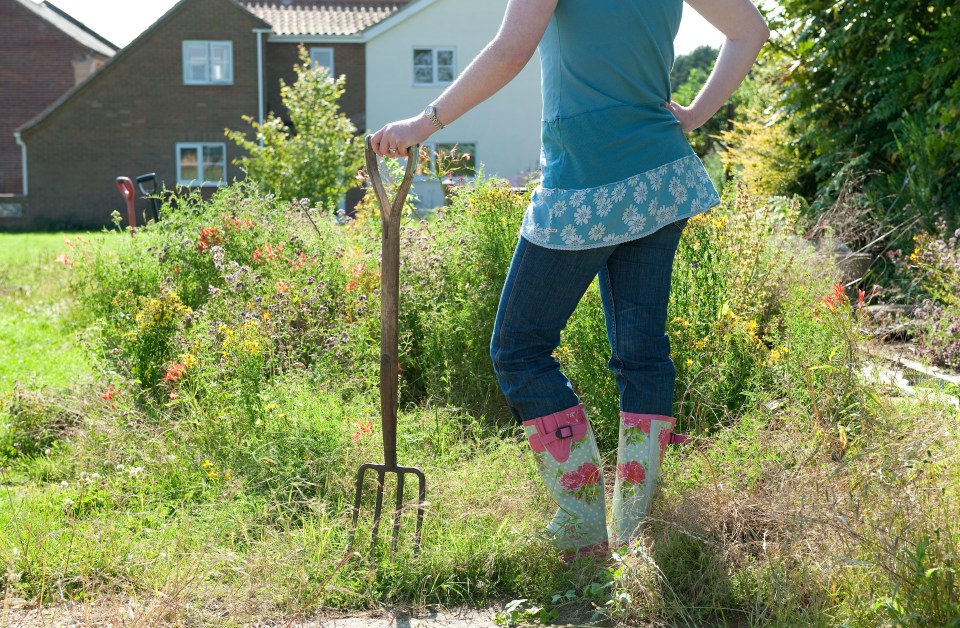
x=701, y=57
x=874, y=86
x=318, y=155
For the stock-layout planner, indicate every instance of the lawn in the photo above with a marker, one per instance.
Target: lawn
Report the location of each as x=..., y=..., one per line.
x=41, y=333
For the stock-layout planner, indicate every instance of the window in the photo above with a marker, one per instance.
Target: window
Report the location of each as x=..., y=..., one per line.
x=207, y=62
x=456, y=160
x=433, y=66
x=324, y=58
x=201, y=164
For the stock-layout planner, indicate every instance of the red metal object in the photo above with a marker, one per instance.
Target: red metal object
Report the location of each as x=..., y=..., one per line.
x=125, y=185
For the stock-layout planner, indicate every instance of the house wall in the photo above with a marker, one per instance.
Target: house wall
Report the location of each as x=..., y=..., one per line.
x=348, y=60
x=37, y=68
x=505, y=128
x=127, y=119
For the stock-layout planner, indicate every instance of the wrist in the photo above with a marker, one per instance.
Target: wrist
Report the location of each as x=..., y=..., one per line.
x=424, y=126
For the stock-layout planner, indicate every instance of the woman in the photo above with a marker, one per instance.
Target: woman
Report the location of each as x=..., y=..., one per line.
x=618, y=185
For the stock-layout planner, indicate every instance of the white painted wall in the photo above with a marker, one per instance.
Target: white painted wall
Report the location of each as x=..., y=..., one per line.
x=505, y=128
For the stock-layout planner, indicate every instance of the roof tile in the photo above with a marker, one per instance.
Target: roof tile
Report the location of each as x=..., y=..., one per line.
x=319, y=17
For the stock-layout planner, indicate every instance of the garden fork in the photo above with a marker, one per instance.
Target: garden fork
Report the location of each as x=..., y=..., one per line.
x=389, y=310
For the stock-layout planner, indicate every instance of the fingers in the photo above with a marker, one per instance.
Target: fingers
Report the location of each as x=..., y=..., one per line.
x=385, y=144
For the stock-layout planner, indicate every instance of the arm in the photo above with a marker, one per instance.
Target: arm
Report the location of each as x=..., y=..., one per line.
x=497, y=64
x=745, y=32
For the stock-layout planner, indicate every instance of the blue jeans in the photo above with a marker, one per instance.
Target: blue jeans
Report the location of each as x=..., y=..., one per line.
x=542, y=290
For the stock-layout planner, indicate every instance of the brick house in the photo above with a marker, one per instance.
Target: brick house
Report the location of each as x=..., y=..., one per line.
x=44, y=54
x=162, y=103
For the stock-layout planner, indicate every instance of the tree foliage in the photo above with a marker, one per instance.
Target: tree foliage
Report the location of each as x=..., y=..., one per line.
x=317, y=156
x=874, y=85
x=701, y=57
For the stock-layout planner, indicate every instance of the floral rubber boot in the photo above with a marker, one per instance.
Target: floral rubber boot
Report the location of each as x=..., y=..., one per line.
x=643, y=443
x=569, y=463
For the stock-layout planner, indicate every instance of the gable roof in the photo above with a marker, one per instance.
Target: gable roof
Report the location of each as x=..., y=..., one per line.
x=121, y=54
x=70, y=26
x=323, y=17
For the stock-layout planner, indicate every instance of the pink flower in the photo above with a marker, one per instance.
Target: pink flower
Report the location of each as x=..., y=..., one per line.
x=632, y=472
x=590, y=472
x=637, y=420
x=572, y=480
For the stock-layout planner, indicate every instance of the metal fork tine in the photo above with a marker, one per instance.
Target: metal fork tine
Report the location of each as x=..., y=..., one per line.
x=396, y=514
x=421, y=500
x=356, y=504
x=377, y=510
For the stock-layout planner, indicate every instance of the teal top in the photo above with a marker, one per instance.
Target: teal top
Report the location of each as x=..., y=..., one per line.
x=615, y=163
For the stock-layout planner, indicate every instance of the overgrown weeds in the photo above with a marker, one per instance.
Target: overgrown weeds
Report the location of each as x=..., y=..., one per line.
x=213, y=460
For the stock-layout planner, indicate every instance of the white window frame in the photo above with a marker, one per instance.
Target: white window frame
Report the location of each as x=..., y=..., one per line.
x=200, y=181
x=225, y=46
x=435, y=50
x=331, y=70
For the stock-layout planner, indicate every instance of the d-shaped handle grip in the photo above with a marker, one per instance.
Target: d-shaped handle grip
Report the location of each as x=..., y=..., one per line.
x=390, y=209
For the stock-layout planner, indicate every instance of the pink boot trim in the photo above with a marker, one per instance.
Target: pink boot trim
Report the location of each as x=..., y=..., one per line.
x=667, y=437
x=556, y=432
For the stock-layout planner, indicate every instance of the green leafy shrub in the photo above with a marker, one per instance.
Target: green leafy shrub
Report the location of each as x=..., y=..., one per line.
x=877, y=103
x=318, y=154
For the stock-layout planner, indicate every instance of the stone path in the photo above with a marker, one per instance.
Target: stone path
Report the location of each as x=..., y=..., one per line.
x=16, y=613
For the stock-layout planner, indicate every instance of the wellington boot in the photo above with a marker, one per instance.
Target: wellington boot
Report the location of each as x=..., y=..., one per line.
x=643, y=443
x=569, y=463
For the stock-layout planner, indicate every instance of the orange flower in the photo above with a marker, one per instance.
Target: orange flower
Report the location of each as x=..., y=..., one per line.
x=352, y=285
x=175, y=372
x=63, y=259
x=111, y=391
x=363, y=428
x=839, y=293
x=208, y=237
x=282, y=286
x=829, y=303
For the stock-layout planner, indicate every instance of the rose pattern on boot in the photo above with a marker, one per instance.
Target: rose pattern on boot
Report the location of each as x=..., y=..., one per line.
x=629, y=475
x=575, y=481
x=642, y=445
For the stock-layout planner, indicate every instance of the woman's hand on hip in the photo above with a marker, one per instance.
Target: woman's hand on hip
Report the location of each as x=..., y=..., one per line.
x=685, y=116
x=395, y=138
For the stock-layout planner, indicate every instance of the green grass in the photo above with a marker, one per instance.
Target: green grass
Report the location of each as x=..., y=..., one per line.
x=41, y=331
